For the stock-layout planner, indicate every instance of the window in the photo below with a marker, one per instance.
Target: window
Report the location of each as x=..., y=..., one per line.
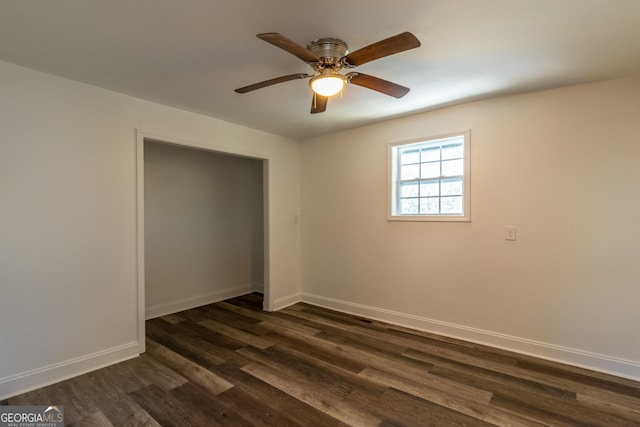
x=430, y=179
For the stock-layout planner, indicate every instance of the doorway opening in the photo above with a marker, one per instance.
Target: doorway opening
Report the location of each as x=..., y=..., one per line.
x=202, y=227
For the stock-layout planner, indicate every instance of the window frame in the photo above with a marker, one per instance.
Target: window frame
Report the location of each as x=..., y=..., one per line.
x=393, y=180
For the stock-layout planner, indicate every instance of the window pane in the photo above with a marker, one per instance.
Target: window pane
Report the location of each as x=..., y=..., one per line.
x=410, y=156
x=431, y=154
x=429, y=188
x=452, y=205
x=409, y=189
x=452, y=151
x=430, y=206
x=430, y=170
x=452, y=187
x=409, y=172
x=409, y=206
x=452, y=167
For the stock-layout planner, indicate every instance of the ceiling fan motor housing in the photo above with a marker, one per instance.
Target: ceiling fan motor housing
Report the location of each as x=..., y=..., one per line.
x=329, y=50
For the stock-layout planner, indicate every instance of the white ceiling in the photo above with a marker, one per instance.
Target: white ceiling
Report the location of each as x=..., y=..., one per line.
x=191, y=54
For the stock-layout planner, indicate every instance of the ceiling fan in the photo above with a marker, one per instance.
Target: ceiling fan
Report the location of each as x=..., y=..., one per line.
x=327, y=56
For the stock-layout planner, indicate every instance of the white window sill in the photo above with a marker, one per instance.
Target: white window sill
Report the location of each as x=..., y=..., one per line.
x=429, y=218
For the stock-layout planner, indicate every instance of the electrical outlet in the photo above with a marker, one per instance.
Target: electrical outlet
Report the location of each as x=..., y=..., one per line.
x=510, y=232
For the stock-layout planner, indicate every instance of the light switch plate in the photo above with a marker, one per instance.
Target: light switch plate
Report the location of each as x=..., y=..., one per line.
x=510, y=232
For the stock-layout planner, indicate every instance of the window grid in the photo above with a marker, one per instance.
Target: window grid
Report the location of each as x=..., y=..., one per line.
x=454, y=200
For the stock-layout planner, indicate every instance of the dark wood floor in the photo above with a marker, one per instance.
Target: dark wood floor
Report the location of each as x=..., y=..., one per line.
x=230, y=364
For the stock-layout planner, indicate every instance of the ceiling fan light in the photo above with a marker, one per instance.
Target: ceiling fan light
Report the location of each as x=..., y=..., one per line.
x=327, y=85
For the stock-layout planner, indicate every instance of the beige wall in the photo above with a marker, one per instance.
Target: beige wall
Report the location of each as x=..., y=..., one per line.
x=203, y=227
x=560, y=165
x=68, y=222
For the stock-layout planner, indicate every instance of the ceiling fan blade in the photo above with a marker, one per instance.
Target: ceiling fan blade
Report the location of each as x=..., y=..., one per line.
x=377, y=84
x=386, y=47
x=290, y=46
x=318, y=103
x=270, y=82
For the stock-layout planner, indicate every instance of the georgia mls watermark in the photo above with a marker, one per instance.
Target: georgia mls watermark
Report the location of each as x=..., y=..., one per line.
x=31, y=416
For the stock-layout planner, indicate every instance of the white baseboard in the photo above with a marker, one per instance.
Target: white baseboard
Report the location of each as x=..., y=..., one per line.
x=580, y=358
x=23, y=382
x=199, y=300
x=283, y=302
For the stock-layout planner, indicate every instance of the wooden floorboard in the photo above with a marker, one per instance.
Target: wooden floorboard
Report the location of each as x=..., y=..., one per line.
x=231, y=364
